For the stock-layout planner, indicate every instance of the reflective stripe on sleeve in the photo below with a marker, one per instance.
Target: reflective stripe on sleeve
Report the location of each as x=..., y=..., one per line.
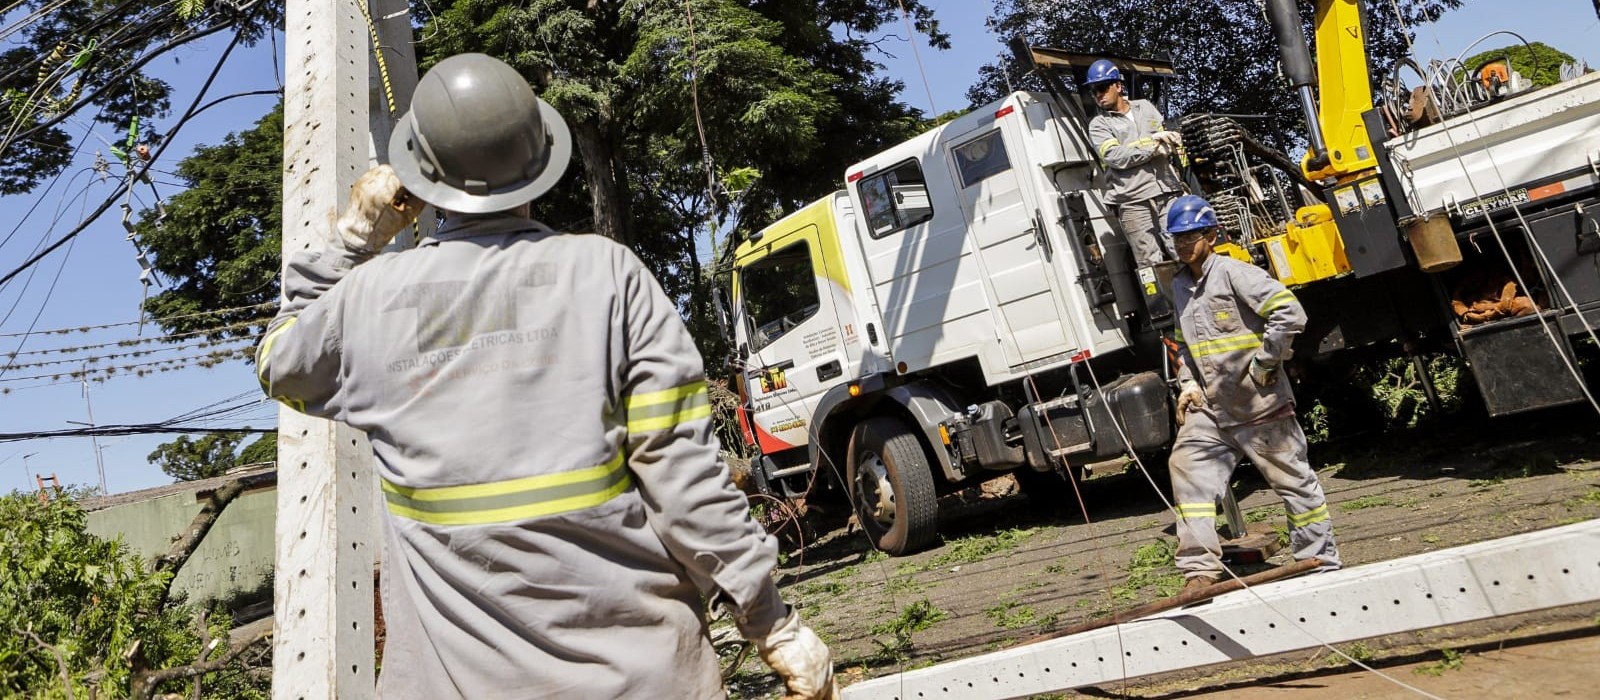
x=660, y=410
x=1315, y=515
x=1107, y=145
x=511, y=500
x=1283, y=298
x=1245, y=341
x=264, y=351
x=1190, y=511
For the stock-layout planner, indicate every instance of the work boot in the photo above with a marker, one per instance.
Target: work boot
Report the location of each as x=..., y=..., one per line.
x=1196, y=583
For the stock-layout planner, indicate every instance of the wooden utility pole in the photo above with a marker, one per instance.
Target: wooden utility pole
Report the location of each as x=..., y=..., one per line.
x=327, y=521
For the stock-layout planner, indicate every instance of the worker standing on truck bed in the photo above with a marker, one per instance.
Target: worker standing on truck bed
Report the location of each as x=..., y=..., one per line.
x=1138, y=153
x=1235, y=327
x=556, y=501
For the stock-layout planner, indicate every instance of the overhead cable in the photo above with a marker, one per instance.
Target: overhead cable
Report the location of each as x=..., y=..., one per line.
x=206, y=360
x=138, y=353
x=125, y=185
x=163, y=320
x=153, y=340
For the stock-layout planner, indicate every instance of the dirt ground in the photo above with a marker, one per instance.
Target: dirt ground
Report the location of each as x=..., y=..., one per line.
x=1007, y=572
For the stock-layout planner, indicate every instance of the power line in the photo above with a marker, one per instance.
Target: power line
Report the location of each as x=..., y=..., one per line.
x=46, y=303
x=134, y=33
x=136, y=429
x=53, y=182
x=161, y=320
x=207, y=360
x=139, y=353
x=127, y=184
x=153, y=340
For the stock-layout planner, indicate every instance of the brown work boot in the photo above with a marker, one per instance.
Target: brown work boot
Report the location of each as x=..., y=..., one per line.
x=1195, y=583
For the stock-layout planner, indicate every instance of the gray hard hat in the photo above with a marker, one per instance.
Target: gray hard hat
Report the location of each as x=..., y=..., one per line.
x=477, y=140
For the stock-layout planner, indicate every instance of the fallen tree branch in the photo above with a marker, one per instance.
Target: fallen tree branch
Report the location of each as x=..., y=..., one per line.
x=144, y=684
x=184, y=548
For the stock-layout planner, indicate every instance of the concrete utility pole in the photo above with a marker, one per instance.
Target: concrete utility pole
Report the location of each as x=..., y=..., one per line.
x=327, y=527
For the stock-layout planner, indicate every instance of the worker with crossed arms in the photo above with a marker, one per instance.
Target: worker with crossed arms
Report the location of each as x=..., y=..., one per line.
x=1138, y=153
x=1235, y=327
x=556, y=502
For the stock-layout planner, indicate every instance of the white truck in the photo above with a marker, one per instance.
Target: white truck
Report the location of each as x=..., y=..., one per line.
x=914, y=332
x=965, y=308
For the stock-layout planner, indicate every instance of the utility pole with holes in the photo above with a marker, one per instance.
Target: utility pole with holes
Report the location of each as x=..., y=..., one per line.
x=327, y=526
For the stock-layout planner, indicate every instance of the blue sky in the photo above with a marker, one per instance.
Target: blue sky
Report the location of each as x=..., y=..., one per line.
x=98, y=281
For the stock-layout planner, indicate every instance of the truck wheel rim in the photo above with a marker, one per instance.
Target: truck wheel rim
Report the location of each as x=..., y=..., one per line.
x=876, y=493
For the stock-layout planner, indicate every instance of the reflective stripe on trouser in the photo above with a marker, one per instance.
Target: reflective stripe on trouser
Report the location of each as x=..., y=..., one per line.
x=1142, y=223
x=512, y=499
x=1202, y=464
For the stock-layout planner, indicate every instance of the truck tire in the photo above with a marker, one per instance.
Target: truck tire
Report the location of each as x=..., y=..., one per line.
x=891, y=486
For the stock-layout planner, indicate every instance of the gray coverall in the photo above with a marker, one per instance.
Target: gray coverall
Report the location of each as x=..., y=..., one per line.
x=556, y=502
x=1142, y=180
x=1236, y=311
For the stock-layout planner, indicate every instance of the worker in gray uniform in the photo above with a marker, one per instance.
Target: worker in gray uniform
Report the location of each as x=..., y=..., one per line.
x=556, y=505
x=1235, y=325
x=1138, y=152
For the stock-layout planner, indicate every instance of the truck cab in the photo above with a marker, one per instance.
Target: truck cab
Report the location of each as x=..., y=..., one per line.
x=932, y=324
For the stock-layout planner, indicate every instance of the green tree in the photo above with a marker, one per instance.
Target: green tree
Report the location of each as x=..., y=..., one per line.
x=264, y=449
x=86, y=617
x=75, y=56
x=1536, y=61
x=187, y=460
x=789, y=96
x=1223, y=50
x=785, y=89
x=218, y=246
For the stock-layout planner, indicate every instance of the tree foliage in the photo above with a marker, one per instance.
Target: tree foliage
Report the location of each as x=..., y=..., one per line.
x=84, y=616
x=789, y=94
x=1536, y=61
x=264, y=449
x=89, y=56
x=210, y=456
x=218, y=246
x=787, y=90
x=1223, y=50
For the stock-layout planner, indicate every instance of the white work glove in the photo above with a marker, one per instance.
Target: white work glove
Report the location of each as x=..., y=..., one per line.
x=800, y=658
x=1190, y=398
x=1263, y=373
x=379, y=207
x=1171, y=139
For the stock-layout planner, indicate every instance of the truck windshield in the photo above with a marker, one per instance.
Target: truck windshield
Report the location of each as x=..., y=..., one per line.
x=780, y=292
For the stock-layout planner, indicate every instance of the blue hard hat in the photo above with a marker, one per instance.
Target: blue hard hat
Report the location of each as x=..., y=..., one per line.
x=1102, y=71
x=1190, y=213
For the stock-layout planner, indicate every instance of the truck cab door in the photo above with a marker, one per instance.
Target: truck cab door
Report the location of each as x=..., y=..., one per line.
x=1006, y=234
x=792, y=331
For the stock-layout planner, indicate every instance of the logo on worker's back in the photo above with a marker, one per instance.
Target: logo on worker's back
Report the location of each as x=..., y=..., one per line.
x=447, y=316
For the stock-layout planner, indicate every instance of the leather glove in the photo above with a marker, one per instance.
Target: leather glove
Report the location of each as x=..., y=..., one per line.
x=379, y=207
x=1263, y=373
x=1172, y=139
x=1190, y=398
x=798, y=655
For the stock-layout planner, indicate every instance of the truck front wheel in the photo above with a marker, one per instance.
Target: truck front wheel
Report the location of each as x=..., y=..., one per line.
x=891, y=486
